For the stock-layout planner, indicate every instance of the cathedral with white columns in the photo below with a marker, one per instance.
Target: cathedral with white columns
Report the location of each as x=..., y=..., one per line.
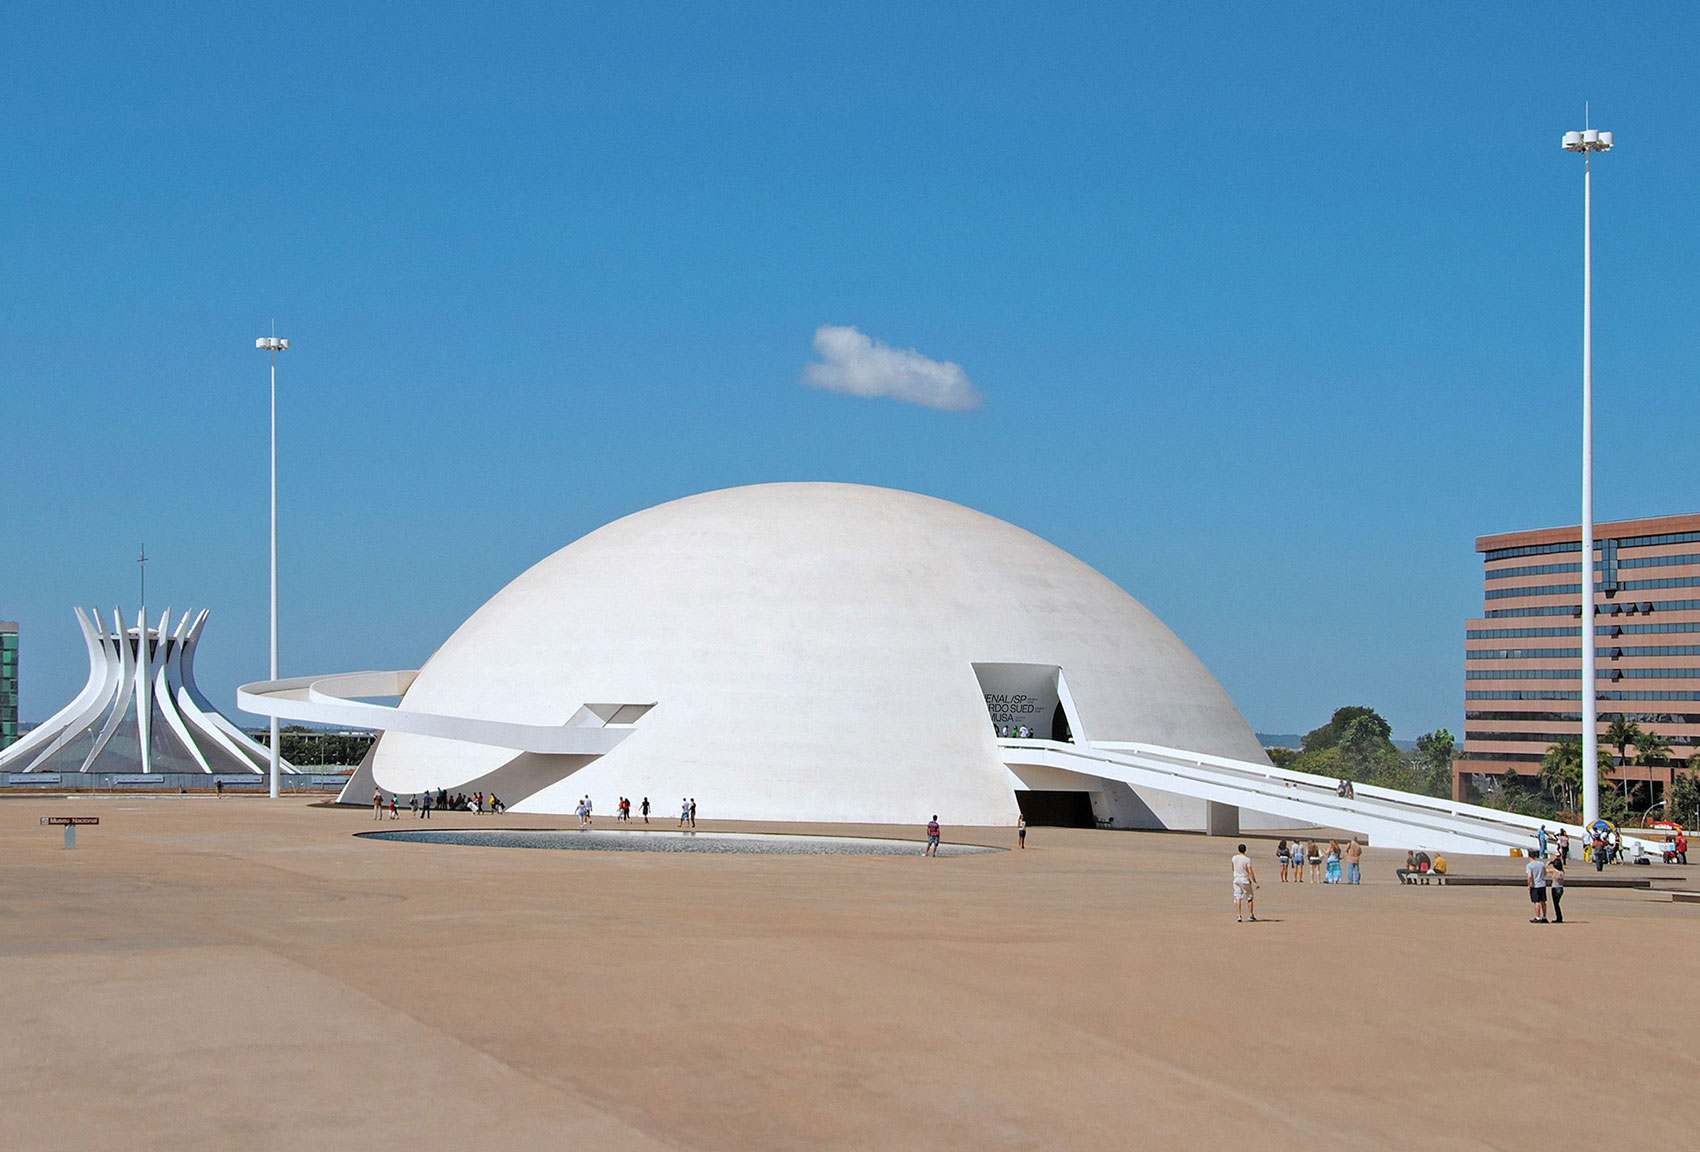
x=140, y=711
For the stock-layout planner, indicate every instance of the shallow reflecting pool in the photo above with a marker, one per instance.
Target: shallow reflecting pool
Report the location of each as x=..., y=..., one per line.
x=632, y=840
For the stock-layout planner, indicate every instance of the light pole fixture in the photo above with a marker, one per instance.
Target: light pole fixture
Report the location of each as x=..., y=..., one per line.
x=274, y=345
x=1588, y=141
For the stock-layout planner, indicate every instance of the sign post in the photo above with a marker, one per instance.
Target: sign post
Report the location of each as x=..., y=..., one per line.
x=70, y=824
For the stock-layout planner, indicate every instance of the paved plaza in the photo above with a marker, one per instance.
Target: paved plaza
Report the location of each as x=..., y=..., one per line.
x=238, y=973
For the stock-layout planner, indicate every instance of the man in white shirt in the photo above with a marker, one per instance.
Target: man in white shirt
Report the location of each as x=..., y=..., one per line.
x=1245, y=879
x=1536, y=872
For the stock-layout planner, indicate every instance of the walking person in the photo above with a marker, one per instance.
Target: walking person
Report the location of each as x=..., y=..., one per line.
x=218, y=786
x=646, y=809
x=393, y=815
x=1564, y=845
x=1535, y=876
x=1354, y=858
x=1245, y=882
x=685, y=805
x=932, y=848
x=1282, y=857
x=1541, y=841
x=425, y=806
x=413, y=803
x=1021, y=831
x=1555, y=887
x=378, y=802
x=693, y=811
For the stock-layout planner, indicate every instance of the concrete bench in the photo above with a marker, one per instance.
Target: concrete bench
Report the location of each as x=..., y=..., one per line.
x=1416, y=876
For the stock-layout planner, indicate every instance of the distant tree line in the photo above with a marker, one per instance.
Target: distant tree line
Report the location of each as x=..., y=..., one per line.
x=307, y=747
x=1357, y=744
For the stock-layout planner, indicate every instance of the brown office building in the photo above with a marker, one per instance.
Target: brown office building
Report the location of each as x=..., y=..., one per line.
x=1522, y=657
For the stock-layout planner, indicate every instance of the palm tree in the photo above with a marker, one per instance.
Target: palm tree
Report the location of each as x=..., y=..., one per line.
x=1622, y=733
x=1561, y=771
x=1650, y=748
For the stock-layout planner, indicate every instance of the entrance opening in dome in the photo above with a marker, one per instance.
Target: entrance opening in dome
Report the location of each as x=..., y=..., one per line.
x=1030, y=696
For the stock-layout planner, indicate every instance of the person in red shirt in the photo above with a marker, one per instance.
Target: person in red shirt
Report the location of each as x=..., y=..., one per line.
x=932, y=836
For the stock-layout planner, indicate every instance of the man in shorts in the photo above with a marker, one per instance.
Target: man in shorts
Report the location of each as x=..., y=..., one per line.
x=932, y=836
x=1245, y=880
x=1535, y=873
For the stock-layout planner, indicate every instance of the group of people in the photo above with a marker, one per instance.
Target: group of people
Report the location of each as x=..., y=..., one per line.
x=1544, y=876
x=623, y=810
x=1016, y=731
x=422, y=803
x=1327, y=866
x=1605, y=846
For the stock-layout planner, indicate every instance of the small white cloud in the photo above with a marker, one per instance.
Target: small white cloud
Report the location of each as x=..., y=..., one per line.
x=862, y=366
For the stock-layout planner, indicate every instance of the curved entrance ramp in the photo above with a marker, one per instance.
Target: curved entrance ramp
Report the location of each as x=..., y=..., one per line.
x=1389, y=818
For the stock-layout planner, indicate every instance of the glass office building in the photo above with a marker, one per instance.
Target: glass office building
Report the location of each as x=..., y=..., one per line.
x=1522, y=656
x=8, y=682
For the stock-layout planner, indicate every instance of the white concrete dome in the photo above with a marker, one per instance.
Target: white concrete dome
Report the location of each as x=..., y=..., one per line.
x=811, y=652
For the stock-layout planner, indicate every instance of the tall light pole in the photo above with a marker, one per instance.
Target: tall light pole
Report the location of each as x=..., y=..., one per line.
x=1588, y=142
x=274, y=345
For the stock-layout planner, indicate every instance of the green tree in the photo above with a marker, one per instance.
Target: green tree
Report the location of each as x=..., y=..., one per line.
x=1614, y=806
x=1436, y=749
x=1281, y=757
x=1652, y=748
x=1621, y=734
x=1335, y=730
x=1365, y=739
x=1433, y=756
x=1685, y=794
x=1357, y=744
x=1513, y=796
x=1561, y=771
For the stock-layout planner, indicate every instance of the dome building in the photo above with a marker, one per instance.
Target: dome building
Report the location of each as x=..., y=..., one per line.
x=810, y=651
x=834, y=652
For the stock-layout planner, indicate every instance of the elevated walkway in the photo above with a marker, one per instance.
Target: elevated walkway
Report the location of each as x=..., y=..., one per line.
x=1389, y=818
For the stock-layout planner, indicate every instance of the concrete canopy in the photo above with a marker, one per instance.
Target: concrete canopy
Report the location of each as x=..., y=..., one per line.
x=810, y=650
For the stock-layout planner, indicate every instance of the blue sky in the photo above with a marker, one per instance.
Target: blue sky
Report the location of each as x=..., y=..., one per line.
x=1271, y=310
